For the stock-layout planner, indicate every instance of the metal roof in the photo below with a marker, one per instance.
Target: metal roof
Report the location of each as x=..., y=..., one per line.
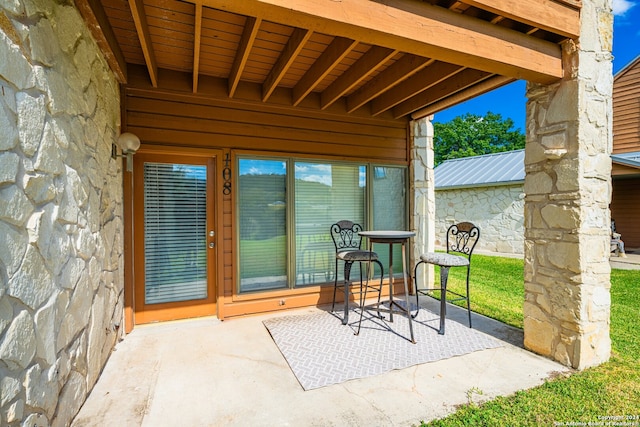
x=498, y=169
x=627, y=159
x=481, y=171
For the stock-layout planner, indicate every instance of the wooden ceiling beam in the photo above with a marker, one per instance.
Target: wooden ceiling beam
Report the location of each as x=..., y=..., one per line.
x=140, y=21
x=458, y=6
x=461, y=81
x=419, y=82
x=96, y=19
x=462, y=96
x=548, y=15
x=292, y=49
x=573, y=3
x=249, y=34
x=367, y=64
x=400, y=70
x=421, y=29
x=197, y=38
x=330, y=58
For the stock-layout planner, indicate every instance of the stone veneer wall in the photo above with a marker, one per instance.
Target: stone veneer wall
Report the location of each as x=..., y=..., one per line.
x=61, y=284
x=497, y=211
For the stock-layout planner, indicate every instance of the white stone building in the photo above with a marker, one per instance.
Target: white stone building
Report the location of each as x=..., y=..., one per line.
x=487, y=191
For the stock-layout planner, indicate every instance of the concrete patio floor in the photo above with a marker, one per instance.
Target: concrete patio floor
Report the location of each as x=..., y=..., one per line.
x=206, y=372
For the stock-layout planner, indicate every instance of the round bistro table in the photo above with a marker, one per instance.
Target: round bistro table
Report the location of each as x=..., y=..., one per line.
x=392, y=237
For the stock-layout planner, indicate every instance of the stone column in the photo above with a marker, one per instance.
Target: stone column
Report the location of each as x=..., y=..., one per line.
x=568, y=191
x=422, y=199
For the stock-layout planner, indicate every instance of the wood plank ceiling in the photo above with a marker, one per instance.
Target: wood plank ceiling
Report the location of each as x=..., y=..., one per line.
x=398, y=58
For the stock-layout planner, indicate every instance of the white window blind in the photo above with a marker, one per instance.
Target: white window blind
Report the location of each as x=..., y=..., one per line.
x=175, y=232
x=262, y=210
x=325, y=194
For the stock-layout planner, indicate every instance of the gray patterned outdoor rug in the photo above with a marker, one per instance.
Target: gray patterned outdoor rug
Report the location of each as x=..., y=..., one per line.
x=321, y=351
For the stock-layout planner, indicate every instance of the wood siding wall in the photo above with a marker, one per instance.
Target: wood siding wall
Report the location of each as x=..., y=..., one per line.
x=622, y=170
x=194, y=122
x=625, y=200
x=167, y=118
x=624, y=209
x=626, y=110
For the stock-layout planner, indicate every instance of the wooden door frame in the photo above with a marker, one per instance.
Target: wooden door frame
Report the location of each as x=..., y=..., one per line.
x=128, y=226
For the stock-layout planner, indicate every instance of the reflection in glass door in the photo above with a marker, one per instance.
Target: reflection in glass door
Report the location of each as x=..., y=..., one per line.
x=177, y=239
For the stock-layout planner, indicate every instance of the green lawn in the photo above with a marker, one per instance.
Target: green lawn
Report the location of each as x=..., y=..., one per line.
x=497, y=287
x=609, y=390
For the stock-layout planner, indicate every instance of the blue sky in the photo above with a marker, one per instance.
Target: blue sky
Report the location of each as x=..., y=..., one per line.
x=509, y=101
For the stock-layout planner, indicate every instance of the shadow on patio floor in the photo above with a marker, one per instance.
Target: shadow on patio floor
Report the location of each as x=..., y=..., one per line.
x=206, y=372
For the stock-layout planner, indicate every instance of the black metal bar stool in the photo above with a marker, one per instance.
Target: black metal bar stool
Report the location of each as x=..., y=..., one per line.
x=348, y=242
x=461, y=238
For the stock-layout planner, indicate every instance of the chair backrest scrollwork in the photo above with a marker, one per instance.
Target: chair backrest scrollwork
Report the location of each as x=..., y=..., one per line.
x=345, y=235
x=462, y=238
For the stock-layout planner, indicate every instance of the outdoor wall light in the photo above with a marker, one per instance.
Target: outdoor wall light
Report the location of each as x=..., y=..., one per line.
x=129, y=144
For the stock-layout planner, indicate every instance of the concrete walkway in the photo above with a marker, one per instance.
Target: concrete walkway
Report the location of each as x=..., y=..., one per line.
x=630, y=262
x=206, y=372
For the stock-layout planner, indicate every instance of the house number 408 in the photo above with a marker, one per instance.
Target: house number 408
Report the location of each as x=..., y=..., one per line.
x=226, y=176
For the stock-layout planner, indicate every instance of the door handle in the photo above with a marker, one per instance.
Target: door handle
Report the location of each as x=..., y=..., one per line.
x=211, y=245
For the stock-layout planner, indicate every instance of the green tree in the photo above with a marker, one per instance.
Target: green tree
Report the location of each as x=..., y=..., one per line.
x=473, y=135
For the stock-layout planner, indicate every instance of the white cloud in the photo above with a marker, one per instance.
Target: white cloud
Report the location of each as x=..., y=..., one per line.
x=321, y=168
x=620, y=7
x=314, y=172
x=322, y=179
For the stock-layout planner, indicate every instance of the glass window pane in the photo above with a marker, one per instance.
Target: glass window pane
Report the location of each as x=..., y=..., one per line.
x=175, y=203
x=262, y=224
x=324, y=194
x=389, y=209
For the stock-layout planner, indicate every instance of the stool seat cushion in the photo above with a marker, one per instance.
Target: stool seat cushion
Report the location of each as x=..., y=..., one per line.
x=444, y=260
x=357, y=256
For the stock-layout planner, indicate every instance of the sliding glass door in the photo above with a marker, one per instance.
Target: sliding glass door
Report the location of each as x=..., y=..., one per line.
x=287, y=206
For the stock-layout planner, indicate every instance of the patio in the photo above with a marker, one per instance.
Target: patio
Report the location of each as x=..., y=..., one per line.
x=178, y=373
x=210, y=86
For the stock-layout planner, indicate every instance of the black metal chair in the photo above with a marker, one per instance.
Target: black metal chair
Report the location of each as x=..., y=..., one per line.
x=347, y=243
x=461, y=239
